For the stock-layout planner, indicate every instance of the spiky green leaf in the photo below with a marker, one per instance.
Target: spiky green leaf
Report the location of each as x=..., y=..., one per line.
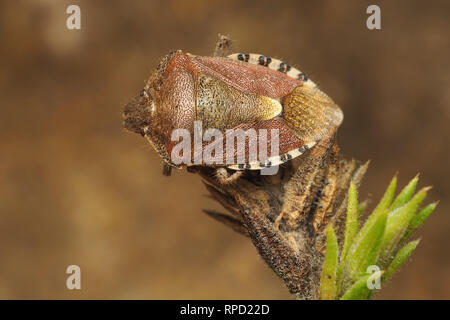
x=360, y=289
x=352, y=223
x=399, y=259
x=405, y=195
x=365, y=250
x=418, y=220
x=362, y=207
x=397, y=224
x=327, y=290
x=380, y=209
x=423, y=214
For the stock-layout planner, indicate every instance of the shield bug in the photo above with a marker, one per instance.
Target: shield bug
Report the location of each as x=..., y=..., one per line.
x=241, y=91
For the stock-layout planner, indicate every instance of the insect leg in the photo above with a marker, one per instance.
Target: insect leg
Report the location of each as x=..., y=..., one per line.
x=166, y=170
x=225, y=178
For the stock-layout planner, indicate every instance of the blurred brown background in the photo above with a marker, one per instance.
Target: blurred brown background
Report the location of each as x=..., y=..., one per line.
x=76, y=188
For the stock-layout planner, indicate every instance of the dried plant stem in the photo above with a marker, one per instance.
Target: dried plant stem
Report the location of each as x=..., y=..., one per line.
x=286, y=215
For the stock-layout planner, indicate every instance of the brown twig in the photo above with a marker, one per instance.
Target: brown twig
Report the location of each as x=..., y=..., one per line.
x=285, y=215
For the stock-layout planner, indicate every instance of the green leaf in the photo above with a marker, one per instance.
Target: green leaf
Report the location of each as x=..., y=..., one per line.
x=364, y=241
x=397, y=224
x=365, y=250
x=399, y=259
x=406, y=194
x=339, y=275
x=327, y=290
x=377, y=243
x=352, y=224
x=418, y=220
x=362, y=207
x=351, y=230
x=359, y=290
x=380, y=208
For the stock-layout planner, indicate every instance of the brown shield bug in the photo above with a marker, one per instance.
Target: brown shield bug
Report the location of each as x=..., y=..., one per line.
x=225, y=93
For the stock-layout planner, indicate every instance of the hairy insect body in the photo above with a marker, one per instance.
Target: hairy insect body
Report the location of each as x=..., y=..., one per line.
x=241, y=91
